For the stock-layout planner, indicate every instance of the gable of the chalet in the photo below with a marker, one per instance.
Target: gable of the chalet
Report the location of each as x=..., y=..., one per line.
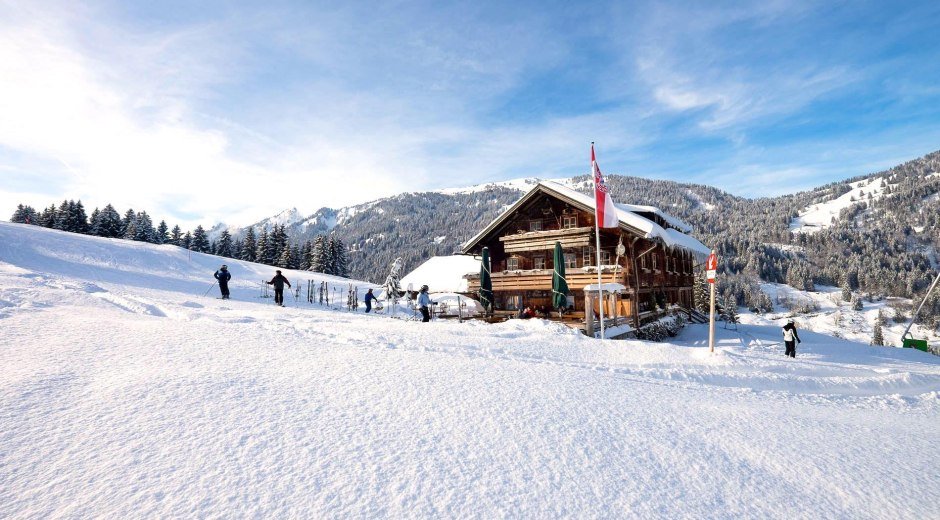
x=550, y=212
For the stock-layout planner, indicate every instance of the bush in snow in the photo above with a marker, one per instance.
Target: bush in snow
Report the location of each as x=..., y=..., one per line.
x=666, y=327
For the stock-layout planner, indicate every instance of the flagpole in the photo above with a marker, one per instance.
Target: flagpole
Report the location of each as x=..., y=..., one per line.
x=597, y=237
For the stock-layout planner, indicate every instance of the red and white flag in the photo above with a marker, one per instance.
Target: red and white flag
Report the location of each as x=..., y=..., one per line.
x=606, y=212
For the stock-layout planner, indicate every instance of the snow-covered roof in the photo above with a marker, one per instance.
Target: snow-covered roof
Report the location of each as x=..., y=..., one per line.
x=628, y=214
x=443, y=273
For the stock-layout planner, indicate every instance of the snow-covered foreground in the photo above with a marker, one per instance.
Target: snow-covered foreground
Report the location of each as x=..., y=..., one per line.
x=123, y=399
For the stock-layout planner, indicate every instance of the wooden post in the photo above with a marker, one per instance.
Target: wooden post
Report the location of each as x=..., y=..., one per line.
x=589, y=313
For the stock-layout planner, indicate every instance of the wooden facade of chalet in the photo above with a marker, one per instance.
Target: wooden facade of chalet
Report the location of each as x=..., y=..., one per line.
x=521, y=244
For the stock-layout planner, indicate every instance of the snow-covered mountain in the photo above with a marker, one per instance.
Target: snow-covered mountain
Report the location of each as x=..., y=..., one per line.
x=126, y=392
x=878, y=229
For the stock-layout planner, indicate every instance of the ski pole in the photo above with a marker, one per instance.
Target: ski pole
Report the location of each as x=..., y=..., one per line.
x=209, y=289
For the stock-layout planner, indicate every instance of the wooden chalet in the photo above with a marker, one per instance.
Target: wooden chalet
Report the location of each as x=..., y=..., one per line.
x=654, y=265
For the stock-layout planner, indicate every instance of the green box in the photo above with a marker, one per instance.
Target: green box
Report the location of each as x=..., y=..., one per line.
x=919, y=344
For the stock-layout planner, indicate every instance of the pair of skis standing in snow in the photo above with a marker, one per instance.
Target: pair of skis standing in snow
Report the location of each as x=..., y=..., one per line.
x=279, y=280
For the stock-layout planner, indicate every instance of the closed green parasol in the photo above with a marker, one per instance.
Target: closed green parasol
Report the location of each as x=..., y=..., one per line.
x=559, y=283
x=486, y=284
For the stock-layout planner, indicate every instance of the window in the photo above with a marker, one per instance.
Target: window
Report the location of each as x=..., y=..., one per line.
x=643, y=262
x=569, y=221
x=571, y=261
x=538, y=262
x=512, y=263
x=587, y=256
x=605, y=258
x=667, y=264
x=655, y=263
x=535, y=225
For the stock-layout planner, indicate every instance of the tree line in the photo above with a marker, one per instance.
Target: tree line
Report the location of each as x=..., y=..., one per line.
x=323, y=254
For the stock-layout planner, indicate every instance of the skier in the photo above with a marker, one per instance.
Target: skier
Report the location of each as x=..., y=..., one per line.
x=424, y=302
x=790, y=337
x=278, y=282
x=223, y=276
x=369, y=298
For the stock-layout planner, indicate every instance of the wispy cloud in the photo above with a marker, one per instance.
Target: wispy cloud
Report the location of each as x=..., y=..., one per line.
x=234, y=111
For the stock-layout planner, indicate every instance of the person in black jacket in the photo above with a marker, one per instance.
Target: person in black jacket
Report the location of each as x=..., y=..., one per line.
x=278, y=282
x=223, y=276
x=790, y=338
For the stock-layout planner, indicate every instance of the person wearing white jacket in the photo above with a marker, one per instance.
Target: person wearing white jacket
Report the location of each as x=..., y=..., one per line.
x=424, y=303
x=790, y=337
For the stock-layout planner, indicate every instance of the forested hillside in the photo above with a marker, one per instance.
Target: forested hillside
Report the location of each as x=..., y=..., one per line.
x=873, y=235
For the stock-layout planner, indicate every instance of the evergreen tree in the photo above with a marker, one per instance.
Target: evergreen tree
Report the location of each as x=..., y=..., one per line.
x=319, y=256
x=78, y=220
x=846, y=290
x=61, y=220
x=856, y=303
x=283, y=261
x=25, y=215
x=238, y=248
x=160, y=237
x=200, y=242
x=108, y=223
x=295, y=256
x=187, y=241
x=224, y=245
x=730, y=308
x=262, y=248
x=128, y=225
x=277, y=243
x=338, y=257
x=878, y=337
x=304, y=261
x=250, y=246
x=700, y=293
x=47, y=219
x=143, y=228
x=176, y=236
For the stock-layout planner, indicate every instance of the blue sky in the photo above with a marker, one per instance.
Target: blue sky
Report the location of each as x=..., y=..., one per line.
x=207, y=111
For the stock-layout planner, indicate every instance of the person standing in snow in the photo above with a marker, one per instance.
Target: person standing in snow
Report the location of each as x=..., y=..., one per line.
x=790, y=337
x=369, y=298
x=424, y=303
x=223, y=276
x=278, y=282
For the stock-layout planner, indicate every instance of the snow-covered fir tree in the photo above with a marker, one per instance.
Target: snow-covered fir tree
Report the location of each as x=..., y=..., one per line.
x=47, y=218
x=108, y=223
x=319, y=256
x=856, y=303
x=730, y=308
x=176, y=236
x=187, y=241
x=130, y=218
x=878, y=336
x=249, y=246
x=304, y=261
x=224, y=246
x=25, y=215
x=262, y=248
x=200, y=241
x=160, y=237
x=143, y=228
x=283, y=261
x=700, y=292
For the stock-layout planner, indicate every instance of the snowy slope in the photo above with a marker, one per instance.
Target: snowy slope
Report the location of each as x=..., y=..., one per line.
x=819, y=216
x=835, y=317
x=124, y=392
